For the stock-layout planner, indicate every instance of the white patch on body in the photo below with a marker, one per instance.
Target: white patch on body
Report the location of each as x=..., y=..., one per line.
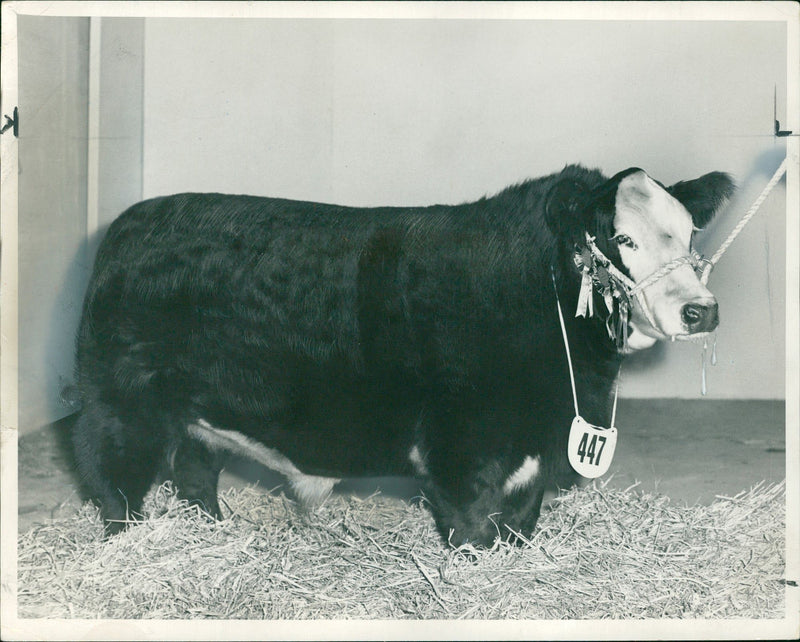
x=310, y=489
x=661, y=229
x=417, y=461
x=525, y=475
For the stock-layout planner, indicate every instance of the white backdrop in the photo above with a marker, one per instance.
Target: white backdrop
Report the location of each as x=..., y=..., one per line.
x=405, y=112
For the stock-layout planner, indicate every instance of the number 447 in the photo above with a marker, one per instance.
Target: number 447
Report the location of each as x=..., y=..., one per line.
x=589, y=448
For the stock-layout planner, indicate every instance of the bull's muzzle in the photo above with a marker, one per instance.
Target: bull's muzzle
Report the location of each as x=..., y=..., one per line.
x=700, y=316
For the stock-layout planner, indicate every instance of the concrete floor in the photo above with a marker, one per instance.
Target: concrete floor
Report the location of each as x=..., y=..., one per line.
x=689, y=450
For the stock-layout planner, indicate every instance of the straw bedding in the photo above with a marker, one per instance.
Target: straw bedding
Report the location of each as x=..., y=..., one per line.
x=598, y=553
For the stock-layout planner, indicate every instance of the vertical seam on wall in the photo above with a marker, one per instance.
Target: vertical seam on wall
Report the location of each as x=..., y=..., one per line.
x=142, y=79
x=93, y=144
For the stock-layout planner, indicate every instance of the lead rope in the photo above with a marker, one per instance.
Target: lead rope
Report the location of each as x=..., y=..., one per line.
x=710, y=263
x=569, y=360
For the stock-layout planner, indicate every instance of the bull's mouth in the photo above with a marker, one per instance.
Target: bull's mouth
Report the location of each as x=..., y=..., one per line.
x=688, y=335
x=698, y=319
x=658, y=335
x=639, y=340
x=695, y=336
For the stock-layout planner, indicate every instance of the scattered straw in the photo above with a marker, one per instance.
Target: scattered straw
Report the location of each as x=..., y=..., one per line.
x=599, y=553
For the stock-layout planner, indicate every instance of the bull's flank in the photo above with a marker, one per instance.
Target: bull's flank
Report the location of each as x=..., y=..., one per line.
x=602, y=553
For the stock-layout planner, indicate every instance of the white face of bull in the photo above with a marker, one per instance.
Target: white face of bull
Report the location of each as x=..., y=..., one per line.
x=652, y=228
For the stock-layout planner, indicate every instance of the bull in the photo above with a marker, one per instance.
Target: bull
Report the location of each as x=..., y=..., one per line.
x=328, y=342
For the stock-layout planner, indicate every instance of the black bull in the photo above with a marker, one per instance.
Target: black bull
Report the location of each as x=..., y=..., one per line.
x=336, y=342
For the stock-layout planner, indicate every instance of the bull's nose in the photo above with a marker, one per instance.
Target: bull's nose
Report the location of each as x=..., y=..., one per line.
x=700, y=317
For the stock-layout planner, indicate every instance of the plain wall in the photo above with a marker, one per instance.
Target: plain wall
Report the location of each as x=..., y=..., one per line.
x=406, y=112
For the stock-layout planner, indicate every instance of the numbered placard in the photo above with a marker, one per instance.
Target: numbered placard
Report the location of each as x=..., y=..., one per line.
x=591, y=448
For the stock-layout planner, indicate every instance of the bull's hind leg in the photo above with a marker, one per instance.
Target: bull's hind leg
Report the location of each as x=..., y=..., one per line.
x=195, y=470
x=117, y=461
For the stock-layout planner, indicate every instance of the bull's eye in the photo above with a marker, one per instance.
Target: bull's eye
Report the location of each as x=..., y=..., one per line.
x=624, y=239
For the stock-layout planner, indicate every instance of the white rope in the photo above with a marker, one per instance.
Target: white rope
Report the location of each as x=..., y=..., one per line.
x=566, y=346
x=614, y=409
x=709, y=264
x=569, y=361
x=665, y=269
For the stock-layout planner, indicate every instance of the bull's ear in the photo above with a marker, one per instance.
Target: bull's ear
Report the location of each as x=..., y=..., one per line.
x=703, y=196
x=564, y=209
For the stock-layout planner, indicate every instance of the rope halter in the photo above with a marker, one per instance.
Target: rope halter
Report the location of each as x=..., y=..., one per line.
x=599, y=273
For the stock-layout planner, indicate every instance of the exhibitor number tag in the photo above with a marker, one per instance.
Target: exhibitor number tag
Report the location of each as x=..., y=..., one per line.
x=590, y=448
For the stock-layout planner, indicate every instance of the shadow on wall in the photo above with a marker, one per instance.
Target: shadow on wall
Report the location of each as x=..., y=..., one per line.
x=79, y=271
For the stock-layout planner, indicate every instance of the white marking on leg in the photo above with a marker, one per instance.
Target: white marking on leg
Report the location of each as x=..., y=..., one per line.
x=417, y=461
x=309, y=488
x=523, y=476
x=238, y=444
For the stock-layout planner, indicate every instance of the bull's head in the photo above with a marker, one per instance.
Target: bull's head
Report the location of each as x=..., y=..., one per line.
x=642, y=232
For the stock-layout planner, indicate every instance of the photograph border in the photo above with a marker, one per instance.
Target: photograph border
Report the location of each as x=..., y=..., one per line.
x=17, y=628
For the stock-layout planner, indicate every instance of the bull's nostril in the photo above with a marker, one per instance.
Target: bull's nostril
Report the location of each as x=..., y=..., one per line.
x=692, y=313
x=700, y=318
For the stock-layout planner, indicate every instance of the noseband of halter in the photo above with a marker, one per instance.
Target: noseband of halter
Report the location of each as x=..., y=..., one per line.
x=618, y=289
